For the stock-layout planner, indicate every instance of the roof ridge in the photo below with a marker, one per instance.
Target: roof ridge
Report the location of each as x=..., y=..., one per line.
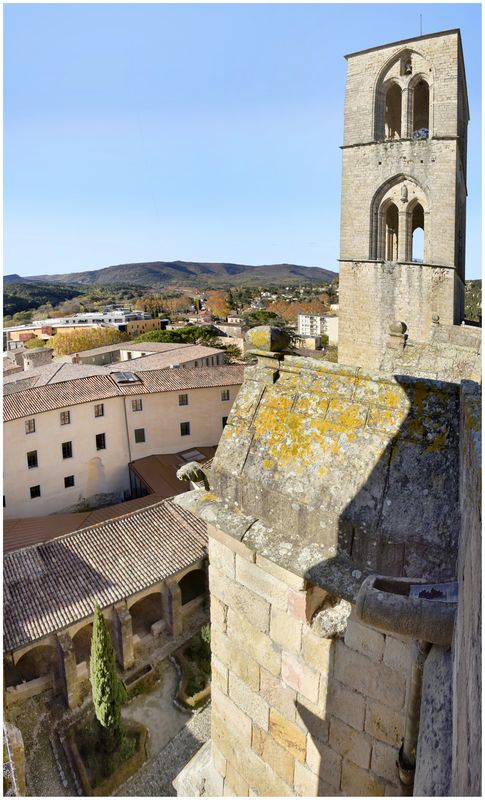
x=89, y=527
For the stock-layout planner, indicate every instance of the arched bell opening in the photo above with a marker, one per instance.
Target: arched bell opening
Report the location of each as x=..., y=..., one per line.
x=391, y=233
x=417, y=233
x=393, y=112
x=420, y=102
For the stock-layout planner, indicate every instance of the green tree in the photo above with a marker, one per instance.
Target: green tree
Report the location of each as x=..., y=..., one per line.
x=107, y=689
x=66, y=342
x=233, y=353
x=191, y=334
x=30, y=344
x=260, y=317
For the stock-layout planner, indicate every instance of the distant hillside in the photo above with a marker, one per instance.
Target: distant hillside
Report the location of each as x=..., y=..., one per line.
x=179, y=273
x=14, y=279
x=27, y=295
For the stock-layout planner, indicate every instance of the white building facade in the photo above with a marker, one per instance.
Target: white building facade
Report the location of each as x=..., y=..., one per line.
x=67, y=445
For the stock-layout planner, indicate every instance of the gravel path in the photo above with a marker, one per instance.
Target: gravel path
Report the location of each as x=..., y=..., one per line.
x=155, y=778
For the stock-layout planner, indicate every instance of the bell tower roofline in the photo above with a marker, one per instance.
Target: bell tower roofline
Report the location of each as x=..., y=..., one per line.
x=405, y=41
x=420, y=39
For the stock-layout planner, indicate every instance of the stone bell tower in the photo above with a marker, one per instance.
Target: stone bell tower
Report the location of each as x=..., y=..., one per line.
x=402, y=246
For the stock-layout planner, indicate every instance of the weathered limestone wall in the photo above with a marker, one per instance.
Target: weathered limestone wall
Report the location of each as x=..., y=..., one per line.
x=373, y=295
x=432, y=164
x=466, y=780
x=454, y=353
x=295, y=713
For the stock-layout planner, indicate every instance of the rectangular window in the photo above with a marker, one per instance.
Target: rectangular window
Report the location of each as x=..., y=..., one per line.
x=67, y=449
x=34, y=491
x=137, y=405
x=129, y=355
x=99, y=410
x=139, y=435
x=224, y=422
x=100, y=441
x=225, y=394
x=32, y=459
x=185, y=428
x=183, y=399
x=30, y=426
x=68, y=481
x=65, y=417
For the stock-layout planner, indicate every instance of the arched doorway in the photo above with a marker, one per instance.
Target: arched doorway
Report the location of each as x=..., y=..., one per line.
x=145, y=612
x=82, y=643
x=392, y=117
x=192, y=585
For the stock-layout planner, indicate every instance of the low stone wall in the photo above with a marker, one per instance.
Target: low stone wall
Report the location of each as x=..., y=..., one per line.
x=23, y=691
x=294, y=713
x=461, y=335
x=192, y=606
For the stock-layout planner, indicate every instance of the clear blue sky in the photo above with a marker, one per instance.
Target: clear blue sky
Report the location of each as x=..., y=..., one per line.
x=193, y=132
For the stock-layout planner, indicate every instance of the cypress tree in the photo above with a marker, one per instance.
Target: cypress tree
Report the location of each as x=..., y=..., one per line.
x=107, y=690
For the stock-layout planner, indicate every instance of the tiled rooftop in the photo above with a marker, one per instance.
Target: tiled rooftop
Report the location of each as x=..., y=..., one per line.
x=55, y=372
x=25, y=531
x=72, y=392
x=52, y=585
x=159, y=472
x=154, y=347
x=165, y=358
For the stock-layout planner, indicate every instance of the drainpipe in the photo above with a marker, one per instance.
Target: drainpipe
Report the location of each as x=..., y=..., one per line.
x=406, y=761
x=417, y=609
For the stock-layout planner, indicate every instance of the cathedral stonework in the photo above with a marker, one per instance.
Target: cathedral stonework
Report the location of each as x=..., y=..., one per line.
x=402, y=246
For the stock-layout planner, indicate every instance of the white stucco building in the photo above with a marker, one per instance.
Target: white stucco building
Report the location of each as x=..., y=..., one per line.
x=67, y=444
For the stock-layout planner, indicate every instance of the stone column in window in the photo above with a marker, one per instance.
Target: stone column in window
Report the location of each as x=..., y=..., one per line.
x=405, y=132
x=404, y=252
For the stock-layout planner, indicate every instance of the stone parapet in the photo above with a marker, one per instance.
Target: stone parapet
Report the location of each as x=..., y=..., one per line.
x=295, y=713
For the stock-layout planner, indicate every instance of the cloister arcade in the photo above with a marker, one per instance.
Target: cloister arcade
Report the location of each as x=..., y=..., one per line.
x=150, y=619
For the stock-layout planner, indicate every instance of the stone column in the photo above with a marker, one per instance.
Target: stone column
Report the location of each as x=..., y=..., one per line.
x=68, y=670
x=406, y=133
x=403, y=252
x=173, y=604
x=124, y=637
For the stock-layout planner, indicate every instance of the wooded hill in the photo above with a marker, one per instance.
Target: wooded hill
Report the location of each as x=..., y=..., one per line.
x=194, y=273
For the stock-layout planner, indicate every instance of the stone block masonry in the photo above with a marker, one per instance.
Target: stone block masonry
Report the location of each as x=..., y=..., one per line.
x=295, y=713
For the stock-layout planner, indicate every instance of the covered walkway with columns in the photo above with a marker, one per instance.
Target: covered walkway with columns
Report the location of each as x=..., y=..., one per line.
x=147, y=570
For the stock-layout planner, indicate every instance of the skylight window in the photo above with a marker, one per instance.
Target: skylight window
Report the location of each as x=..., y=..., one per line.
x=193, y=455
x=125, y=377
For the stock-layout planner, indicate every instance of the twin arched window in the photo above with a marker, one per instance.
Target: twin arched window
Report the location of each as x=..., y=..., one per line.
x=402, y=99
x=398, y=222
